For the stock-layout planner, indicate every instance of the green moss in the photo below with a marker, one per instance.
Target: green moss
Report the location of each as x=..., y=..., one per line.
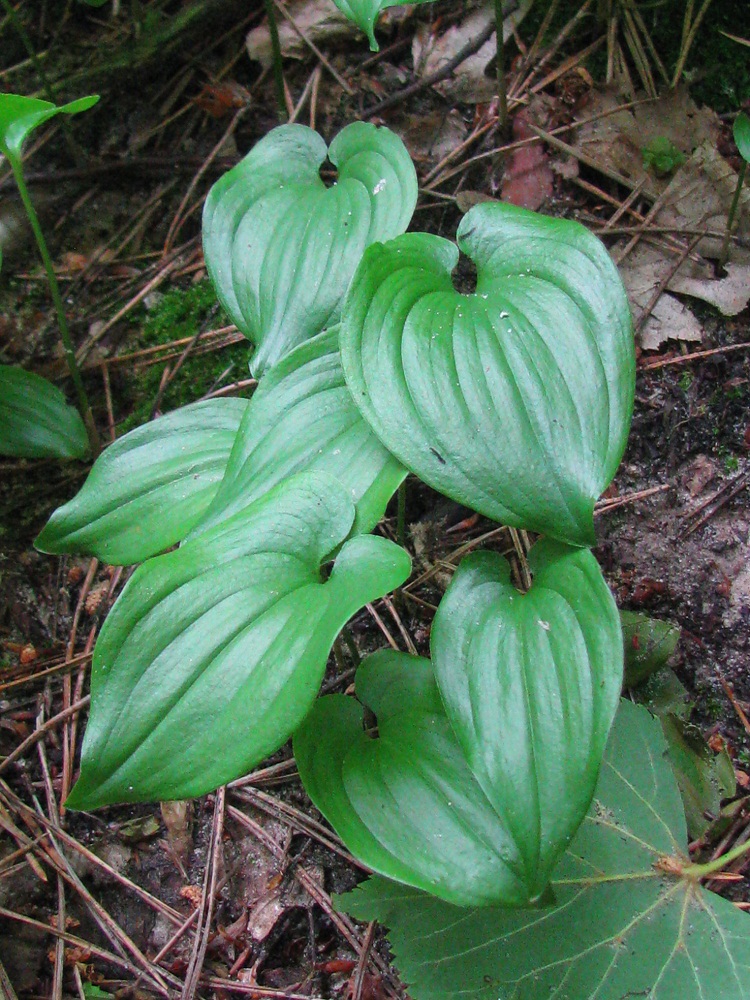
x=179, y=313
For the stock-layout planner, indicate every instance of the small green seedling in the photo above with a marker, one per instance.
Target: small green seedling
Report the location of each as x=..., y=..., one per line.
x=19, y=116
x=662, y=156
x=524, y=841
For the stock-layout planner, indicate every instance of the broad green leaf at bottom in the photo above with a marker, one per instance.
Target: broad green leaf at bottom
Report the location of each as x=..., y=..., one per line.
x=622, y=926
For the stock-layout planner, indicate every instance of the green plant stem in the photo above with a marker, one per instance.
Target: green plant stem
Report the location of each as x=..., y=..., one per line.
x=502, y=93
x=701, y=871
x=732, y=212
x=401, y=515
x=278, y=71
x=70, y=356
x=351, y=645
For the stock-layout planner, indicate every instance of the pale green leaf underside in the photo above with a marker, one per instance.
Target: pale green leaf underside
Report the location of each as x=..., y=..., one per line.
x=213, y=653
x=621, y=927
x=35, y=420
x=147, y=490
x=515, y=400
x=302, y=418
x=19, y=116
x=281, y=247
x=530, y=684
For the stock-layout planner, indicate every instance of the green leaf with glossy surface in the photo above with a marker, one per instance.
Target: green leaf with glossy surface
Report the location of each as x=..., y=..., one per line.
x=530, y=684
x=515, y=400
x=35, y=420
x=19, y=116
x=214, y=653
x=406, y=803
x=147, y=490
x=281, y=247
x=302, y=417
x=622, y=926
x=648, y=643
x=741, y=133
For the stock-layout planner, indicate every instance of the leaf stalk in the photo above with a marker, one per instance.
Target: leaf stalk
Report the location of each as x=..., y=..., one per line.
x=70, y=357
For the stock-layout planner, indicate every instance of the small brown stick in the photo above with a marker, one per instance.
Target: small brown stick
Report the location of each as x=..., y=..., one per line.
x=306, y=91
x=472, y=46
x=491, y=153
x=178, y=219
x=304, y=824
x=6, y=987
x=108, y=401
x=620, y=256
x=715, y=502
x=625, y=206
x=76, y=942
x=203, y=930
x=565, y=147
x=530, y=55
x=67, y=734
x=382, y=626
x=661, y=287
x=39, y=733
x=399, y=624
x=24, y=842
x=177, y=261
x=604, y=506
x=314, y=96
x=663, y=362
x=554, y=48
x=358, y=981
x=735, y=704
x=227, y=390
x=567, y=65
x=221, y=332
x=321, y=897
x=32, y=678
x=215, y=982
x=313, y=47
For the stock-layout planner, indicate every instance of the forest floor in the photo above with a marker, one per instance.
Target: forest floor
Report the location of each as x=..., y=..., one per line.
x=155, y=900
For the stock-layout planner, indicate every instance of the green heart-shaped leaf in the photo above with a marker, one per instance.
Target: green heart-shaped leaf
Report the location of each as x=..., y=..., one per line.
x=35, y=420
x=147, y=490
x=19, y=116
x=213, y=654
x=302, y=418
x=515, y=400
x=530, y=684
x=406, y=804
x=281, y=247
x=623, y=925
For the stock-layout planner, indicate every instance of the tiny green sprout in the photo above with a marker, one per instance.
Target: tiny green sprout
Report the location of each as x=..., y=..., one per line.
x=662, y=156
x=686, y=380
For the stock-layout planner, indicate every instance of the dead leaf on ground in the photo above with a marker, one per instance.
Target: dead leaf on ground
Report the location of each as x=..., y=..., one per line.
x=528, y=179
x=320, y=20
x=433, y=136
x=473, y=81
x=617, y=141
